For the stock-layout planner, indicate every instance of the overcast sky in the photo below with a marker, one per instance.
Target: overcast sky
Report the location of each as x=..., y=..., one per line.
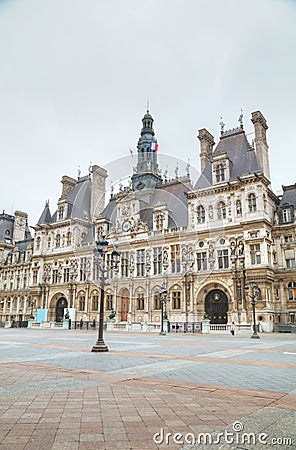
x=75, y=76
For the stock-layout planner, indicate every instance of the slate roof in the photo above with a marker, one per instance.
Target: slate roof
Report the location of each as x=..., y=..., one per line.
x=45, y=216
x=241, y=154
x=6, y=226
x=289, y=196
x=78, y=199
x=171, y=193
x=6, y=229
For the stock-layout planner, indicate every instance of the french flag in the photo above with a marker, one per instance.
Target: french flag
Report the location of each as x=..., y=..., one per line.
x=154, y=146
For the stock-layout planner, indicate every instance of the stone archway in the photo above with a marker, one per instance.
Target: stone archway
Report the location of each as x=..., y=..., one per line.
x=216, y=306
x=60, y=306
x=124, y=304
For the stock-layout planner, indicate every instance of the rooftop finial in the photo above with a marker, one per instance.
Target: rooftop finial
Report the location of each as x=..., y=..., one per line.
x=147, y=105
x=79, y=172
x=188, y=169
x=240, y=119
x=222, y=125
x=177, y=170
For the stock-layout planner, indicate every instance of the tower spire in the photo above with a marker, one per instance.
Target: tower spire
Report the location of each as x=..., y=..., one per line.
x=146, y=174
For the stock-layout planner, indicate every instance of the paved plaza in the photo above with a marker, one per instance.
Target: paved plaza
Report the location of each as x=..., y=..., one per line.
x=177, y=391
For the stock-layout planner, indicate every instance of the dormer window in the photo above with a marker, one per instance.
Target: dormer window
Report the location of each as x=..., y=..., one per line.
x=252, y=204
x=286, y=215
x=61, y=212
x=220, y=173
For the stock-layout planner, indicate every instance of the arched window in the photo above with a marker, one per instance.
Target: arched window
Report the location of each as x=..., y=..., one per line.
x=201, y=216
x=58, y=240
x=176, y=300
x=69, y=238
x=252, y=202
x=140, y=301
x=221, y=210
x=238, y=208
x=220, y=173
x=38, y=240
x=292, y=290
x=81, y=302
x=157, y=303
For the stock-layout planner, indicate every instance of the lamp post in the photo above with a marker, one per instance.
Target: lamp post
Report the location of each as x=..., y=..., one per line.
x=255, y=291
x=100, y=263
x=187, y=261
x=163, y=299
x=237, y=258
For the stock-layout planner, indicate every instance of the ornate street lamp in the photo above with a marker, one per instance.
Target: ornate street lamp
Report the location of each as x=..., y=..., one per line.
x=255, y=292
x=100, y=256
x=163, y=299
x=237, y=258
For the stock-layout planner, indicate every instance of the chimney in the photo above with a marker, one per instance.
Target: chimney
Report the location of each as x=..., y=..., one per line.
x=260, y=127
x=98, y=190
x=68, y=183
x=206, y=147
x=19, y=226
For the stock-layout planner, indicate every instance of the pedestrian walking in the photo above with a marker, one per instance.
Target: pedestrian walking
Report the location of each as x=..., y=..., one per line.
x=232, y=328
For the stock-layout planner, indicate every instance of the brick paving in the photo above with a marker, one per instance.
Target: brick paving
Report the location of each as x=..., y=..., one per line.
x=56, y=394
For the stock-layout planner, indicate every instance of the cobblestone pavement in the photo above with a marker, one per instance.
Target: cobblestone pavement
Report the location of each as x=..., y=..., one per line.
x=147, y=392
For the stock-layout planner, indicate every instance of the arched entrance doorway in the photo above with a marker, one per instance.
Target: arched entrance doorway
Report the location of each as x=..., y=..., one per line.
x=125, y=298
x=216, y=307
x=61, y=305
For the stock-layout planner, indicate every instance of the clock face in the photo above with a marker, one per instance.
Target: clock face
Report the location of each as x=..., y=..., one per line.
x=126, y=226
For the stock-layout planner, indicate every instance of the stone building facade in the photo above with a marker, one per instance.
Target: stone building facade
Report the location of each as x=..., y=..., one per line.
x=203, y=242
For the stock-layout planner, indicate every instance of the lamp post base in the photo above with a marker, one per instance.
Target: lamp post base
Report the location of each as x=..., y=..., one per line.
x=100, y=346
x=162, y=333
x=255, y=336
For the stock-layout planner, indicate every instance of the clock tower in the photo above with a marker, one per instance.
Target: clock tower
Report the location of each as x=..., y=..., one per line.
x=146, y=173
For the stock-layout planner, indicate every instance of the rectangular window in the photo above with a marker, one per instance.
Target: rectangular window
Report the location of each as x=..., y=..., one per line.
x=175, y=256
x=223, y=259
x=81, y=303
x=125, y=264
x=176, y=300
x=202, y=261
x=95, y=302
x=35, y=276
x=290, y=263
x=55, y=274
x=288, y=238
x=109, y=301
x=140, y=302
x=287, y=215
x=66, y=275
x=82, y=269
x=157, y=260
x=109, y=266
x=141, y=263
x=255, y=254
